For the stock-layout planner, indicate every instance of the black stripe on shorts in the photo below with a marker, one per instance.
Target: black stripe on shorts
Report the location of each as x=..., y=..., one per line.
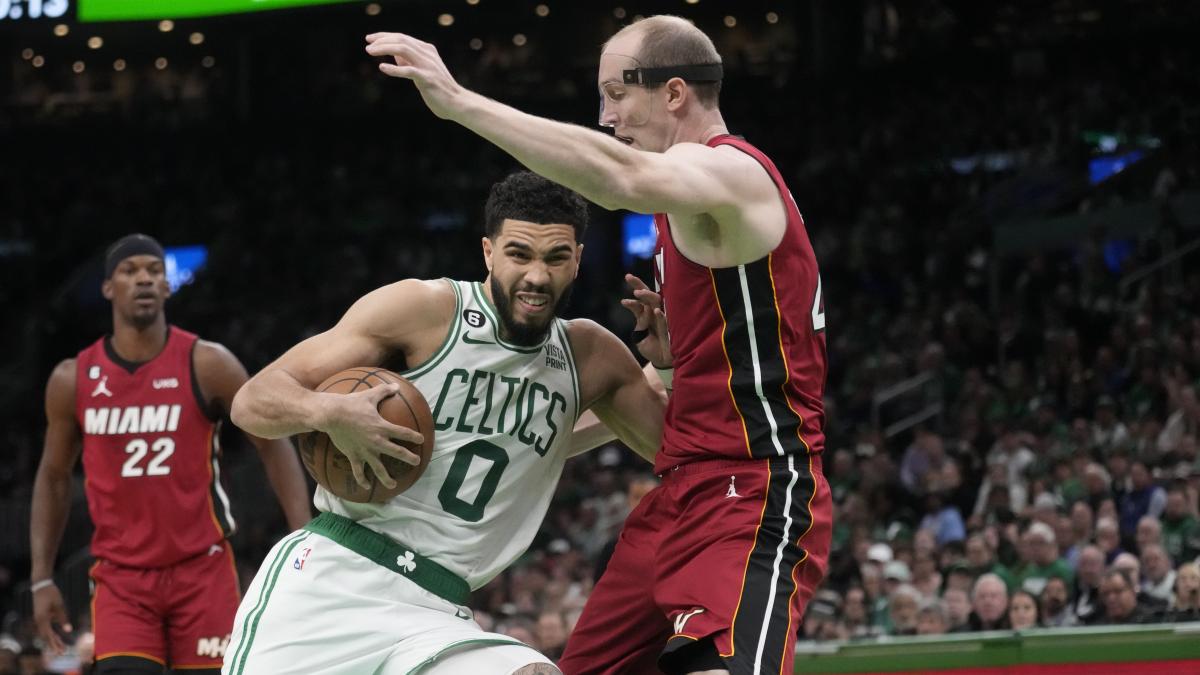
x=763, y=622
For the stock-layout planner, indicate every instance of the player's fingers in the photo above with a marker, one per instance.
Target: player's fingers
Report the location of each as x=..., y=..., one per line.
x=359, y=476
x=394, y=47
x=398, y=451
x=403, y=434
x=380, y=472
x=660, y=322
x=648, y=297
x=635, y=283
x=377, y=394
x=637, y=309
x=405, y=72
x=374, y=37
x=46, y=631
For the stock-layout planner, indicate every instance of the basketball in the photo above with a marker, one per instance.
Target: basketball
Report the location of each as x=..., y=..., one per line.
x=408, y=408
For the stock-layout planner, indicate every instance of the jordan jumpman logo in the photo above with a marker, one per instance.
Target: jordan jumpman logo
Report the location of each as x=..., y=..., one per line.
x=732, y=488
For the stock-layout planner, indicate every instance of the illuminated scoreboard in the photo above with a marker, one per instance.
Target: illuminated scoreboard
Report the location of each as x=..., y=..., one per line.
x=17, y=10
x=133, y=10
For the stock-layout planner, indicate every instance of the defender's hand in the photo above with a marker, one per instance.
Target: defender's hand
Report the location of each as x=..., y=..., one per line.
x=420, y=62
x=647, y=309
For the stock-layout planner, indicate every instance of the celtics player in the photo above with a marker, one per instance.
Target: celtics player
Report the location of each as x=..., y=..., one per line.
x=382, y=588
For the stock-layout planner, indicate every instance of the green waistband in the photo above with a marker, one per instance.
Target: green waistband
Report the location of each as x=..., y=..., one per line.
x=393, y=555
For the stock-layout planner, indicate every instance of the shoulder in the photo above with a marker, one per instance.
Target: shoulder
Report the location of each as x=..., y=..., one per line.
x=421, y=302
x=218, y=376
x=60, y=391
x=209, y=355
x=62, y=378
x=589, y=339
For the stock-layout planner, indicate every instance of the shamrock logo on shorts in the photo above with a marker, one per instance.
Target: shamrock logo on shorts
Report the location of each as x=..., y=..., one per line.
x=406, y=562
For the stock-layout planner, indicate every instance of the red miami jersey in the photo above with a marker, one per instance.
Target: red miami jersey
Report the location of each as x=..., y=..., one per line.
x=748, y=343
x=149, y=456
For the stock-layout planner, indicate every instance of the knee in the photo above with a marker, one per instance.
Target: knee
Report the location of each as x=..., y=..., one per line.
x=537, y=669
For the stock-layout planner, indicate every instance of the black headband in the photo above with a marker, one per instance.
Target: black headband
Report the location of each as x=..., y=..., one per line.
x=708, y=72
x=129, y=246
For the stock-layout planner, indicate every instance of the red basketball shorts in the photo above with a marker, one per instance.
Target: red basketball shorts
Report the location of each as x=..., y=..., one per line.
x=180, y=616
x=726, y=550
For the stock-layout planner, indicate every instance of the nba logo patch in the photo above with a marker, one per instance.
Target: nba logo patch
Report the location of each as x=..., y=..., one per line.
x=474, y=318
x=94, y=373
x=298, y=563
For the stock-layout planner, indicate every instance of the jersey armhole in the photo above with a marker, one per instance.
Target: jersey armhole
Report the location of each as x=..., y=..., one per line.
x=565, y=334
x=197, y=392
x=447, y=344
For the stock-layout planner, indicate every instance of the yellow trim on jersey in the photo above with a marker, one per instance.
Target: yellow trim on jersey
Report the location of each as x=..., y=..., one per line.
x=725, y=351
x=787, y=371
x=212, y=507
x=746, y=567
x=139, y=655
x=803, y=559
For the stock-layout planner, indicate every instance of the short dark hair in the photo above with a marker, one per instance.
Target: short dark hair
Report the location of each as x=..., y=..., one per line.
x=1124, y=575
x=524, y=195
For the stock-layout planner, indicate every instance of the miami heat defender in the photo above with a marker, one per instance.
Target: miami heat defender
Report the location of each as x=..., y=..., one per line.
x=143, y=407
x=738, y=532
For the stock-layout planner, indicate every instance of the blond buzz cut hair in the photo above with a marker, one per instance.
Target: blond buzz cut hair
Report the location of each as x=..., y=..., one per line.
x=669, y=40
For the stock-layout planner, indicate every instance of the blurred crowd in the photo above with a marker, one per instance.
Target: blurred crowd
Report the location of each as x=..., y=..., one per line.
x=1051, y=476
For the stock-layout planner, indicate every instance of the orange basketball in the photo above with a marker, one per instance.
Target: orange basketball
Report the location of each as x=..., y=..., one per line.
x=406, y=408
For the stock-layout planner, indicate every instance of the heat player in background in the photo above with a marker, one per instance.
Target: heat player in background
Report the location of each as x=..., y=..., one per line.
x=142, y=406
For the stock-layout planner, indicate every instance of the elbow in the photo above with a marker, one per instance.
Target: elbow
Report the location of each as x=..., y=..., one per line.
x=240, y=412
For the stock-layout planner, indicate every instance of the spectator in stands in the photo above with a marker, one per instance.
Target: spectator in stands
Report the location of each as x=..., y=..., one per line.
x=1097, y=485
x=551, y=634
x=1118, y=593
x=903, y=603
x=1108, y=432
x=932, y=619
x=1149, y=532
x=981, y=558
x=989, y=602
x=821, y=618
x=1086, y=603
x=1179, y=530
x=1158, y=578
x=1144, y=498
x=1023, y=611
x=1039, y=560
x=1184, y=420
x=1054, y=603
x=942, y=518
x=923, y=458
x=1185, y=604
x=1108, y=538
x=957, y=602
x=1083, y=523
x=854, y=614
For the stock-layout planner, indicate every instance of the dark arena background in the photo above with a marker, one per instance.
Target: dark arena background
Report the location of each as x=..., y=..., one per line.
x=1004, y=197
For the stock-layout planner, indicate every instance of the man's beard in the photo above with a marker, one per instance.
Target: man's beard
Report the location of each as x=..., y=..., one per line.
x=142, y=320
x=526, y=334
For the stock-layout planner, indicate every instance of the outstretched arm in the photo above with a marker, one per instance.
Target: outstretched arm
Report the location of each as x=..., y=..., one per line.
x=52, y=501
x=220, y=376
x=687, y=179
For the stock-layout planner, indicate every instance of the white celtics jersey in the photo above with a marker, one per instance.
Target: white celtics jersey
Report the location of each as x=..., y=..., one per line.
x=503, y=416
